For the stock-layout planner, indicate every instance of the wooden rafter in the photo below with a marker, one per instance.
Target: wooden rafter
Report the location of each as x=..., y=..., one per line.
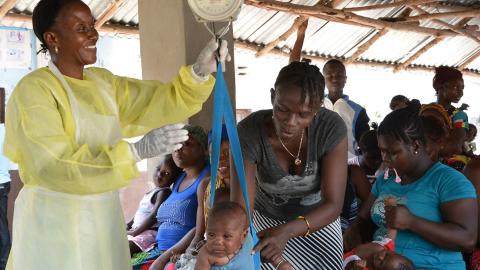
x=469, y=60
x=114, y=29
x=298, y=21
x=460, y=30
x=365, y=46
x=275, y=51
x=462, y=13
x=450, y=6
x=296, y=24
x=340, y=16
x=427, y=47
x=420, y=52
x=389, y=5
x=109, y=12
x=7, y=5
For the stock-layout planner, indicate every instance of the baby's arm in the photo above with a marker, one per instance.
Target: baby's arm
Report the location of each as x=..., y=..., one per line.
x=365, y=251
x=203, y=260
x=150, y=220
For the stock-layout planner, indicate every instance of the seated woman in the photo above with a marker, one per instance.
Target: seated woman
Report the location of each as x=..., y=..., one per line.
x=177, y=215
x=296, y=167
x=222, y=193
x=142, y=230
x=436, y=215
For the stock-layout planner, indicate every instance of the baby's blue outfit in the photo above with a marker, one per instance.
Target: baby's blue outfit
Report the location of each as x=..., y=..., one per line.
x=243, y=260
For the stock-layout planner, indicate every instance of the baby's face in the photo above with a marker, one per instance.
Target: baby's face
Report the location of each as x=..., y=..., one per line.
x=224, y=236
x=389, y=260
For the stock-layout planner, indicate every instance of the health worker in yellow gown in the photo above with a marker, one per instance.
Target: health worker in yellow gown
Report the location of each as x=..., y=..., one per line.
x=65, y=127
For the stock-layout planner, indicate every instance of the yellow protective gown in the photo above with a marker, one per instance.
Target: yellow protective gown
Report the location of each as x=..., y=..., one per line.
x=67, y=143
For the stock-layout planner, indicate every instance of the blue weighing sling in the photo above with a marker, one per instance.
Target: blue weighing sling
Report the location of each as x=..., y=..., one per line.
x=222, y=109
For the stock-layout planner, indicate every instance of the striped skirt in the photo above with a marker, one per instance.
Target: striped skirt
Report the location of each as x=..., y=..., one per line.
x=320, y=250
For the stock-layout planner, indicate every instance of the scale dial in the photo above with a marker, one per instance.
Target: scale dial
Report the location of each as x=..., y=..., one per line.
x=215, y=10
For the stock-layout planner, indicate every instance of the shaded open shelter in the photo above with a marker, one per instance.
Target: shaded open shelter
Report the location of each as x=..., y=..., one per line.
x=394, y=34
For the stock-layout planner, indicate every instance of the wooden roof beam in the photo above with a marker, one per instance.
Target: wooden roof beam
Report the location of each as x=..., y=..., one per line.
x=427, y=47
x=460, y=30
x=298, y=21
x=278, y=52
x=389, y=5
x=114, y=29
x=6, y=7
x=109, y=12
x=469, y=60
x=365, y=46
x=331, y=14
x=462, y=13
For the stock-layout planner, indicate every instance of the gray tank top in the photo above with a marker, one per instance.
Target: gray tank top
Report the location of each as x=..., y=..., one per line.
x=280, y=195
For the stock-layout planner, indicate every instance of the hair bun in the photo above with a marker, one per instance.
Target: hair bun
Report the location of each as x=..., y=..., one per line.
x=414, y=106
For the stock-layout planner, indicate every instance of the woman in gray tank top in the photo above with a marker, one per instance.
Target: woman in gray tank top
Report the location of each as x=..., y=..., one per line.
x=295, y=164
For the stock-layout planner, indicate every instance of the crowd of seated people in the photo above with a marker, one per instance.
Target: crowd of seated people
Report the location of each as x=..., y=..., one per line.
x=314, y=205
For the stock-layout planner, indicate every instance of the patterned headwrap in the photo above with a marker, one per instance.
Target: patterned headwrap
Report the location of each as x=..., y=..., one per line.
x=441, y=111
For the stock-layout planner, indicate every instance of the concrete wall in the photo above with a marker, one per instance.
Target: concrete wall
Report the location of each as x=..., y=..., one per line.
x=169, y=38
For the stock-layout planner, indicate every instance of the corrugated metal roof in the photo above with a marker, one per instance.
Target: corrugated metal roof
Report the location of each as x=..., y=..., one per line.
x=333, y=39
x=330, y=39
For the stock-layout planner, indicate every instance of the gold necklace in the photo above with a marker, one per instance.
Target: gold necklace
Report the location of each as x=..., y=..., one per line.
x=298, y=161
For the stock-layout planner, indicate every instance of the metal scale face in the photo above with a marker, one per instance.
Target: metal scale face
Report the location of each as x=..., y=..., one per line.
x=215, y=10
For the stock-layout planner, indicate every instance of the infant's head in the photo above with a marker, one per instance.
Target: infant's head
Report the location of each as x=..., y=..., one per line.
x=389, y=260
x=166, y=173
x=227, y=228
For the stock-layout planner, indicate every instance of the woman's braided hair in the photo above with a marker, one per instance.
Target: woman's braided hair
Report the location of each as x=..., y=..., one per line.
x=44, y=15
x=404, y=124
x=306, y=76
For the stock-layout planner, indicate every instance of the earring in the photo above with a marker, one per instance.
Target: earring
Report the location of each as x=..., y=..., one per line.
x=415, y=152
x=56, y=49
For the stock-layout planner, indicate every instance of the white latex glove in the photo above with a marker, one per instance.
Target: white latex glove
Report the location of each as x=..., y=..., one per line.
x=206, y=61
x=160, y=141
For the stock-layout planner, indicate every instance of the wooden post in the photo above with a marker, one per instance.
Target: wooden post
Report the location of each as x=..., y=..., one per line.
x=298, y=21
x=7, y=5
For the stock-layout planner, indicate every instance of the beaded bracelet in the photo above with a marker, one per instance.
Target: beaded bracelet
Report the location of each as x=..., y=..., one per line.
x=307, y=223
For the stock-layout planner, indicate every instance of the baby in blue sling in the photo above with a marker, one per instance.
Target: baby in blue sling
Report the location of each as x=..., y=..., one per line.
x=228, y=243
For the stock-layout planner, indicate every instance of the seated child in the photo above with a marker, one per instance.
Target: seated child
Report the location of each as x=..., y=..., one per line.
x=228, y=244
x=376, y=255
x=142, y=228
